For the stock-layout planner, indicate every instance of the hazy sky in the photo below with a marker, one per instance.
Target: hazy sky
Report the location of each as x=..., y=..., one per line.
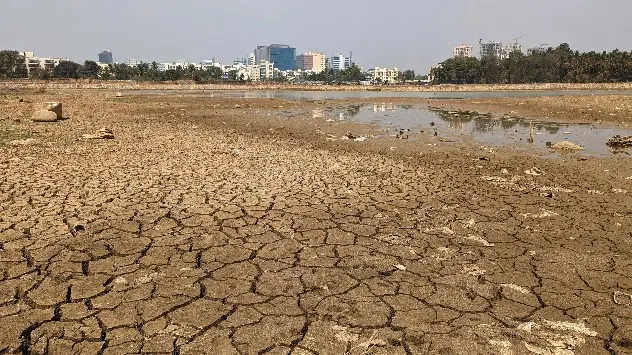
x=409, y=34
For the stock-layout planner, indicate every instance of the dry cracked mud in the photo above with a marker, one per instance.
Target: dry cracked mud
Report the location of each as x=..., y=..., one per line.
x=206, y=228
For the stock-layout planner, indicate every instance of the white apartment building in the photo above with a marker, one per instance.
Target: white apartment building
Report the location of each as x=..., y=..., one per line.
x=384, y=75
x=32, y=62
x=462, y=51
x=133, y=62
x=180, y=63
x=511, y=48
x=208, y=64
x=256, y=73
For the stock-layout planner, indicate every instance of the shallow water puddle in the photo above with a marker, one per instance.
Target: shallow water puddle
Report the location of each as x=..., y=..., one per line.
x=462, y=125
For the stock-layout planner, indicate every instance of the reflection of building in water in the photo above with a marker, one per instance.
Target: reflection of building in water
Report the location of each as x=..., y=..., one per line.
x=318, y=113
x=384, y=107
x=457, y=124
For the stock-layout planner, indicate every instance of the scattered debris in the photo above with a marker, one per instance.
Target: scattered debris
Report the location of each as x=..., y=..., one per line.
x=402, y=134
x=473, y=270
x=620, y=142
x=120, y=280
x=534, y=172
x=118, y=94
x=594, y=192
x=480, y=240
x=505, y=171
x=619, y=191
x=19, y=142
x=547, y=194
x=520, y=289
x=103, y=133
x=400, y=267
x=618, y=294
x=543, y=214
x=566, y=145
x=360, y=139
x=344, y=335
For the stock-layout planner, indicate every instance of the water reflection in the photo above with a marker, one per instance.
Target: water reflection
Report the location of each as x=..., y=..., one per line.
x=482, y=127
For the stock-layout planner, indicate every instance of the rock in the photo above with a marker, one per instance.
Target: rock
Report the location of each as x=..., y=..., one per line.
x=44, y=116
x=118, y=94
x=620, y=142
x=534, y=172
x=103, y=133
x=53, y=107
x=566, y=145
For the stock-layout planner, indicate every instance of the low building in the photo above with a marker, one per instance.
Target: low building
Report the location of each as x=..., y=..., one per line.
x=209, y=63
x=462, y=51
x=260, y=72
x=33, y=63
x=133, y=62
x=384, y=75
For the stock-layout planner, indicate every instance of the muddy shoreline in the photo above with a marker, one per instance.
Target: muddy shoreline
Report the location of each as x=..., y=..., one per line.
x=191, y=86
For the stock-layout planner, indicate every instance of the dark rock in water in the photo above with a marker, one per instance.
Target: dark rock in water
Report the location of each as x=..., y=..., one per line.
x=620, y=142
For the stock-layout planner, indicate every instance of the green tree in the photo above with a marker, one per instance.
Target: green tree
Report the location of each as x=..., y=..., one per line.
x=12, y=65
x=408, y=75
x=40, y=74
x=90, y=70
x=67, y=70
x=353, y=74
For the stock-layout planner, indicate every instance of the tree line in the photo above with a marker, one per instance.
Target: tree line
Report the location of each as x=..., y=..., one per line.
x=12, y=66
x=553, y=65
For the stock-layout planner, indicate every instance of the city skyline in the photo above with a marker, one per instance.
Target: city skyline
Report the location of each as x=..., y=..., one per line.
x=415, y=37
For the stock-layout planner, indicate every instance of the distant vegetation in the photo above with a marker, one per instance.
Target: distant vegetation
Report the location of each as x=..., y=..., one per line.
x=12, y=66
x=553, y=65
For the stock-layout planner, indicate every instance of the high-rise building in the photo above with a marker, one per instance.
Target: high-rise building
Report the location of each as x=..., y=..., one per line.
x=462, y=51
x=251, y=59
x=262, y=53
x=491, y=49
x=338, y=62
x=105, y=57
x=311, y=62
x=283, y=56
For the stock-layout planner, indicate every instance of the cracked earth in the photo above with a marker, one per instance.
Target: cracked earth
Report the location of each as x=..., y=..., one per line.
x=206, y=228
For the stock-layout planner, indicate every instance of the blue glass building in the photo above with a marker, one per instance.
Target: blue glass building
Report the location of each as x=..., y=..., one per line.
x=283, y=56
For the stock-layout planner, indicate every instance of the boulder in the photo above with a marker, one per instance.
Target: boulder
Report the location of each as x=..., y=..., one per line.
x=566, y=145
x=53, y=107
x=44, y=116
x=620, y=142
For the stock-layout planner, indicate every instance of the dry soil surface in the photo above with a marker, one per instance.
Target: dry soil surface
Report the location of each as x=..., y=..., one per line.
x=207, y=226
